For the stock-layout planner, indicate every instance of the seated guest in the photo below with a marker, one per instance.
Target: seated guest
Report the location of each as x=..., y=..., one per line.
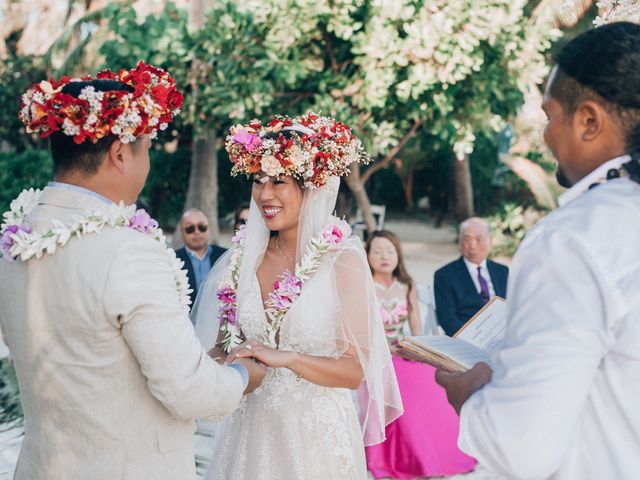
x=462, y=287
x=423, y=441
x=241, y=216
x=197, y=254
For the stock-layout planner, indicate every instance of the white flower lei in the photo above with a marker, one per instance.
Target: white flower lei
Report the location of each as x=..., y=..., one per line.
x=285, y=290
x=19, y=241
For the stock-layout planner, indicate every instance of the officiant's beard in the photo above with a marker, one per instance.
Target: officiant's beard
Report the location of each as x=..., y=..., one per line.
x=562, y=178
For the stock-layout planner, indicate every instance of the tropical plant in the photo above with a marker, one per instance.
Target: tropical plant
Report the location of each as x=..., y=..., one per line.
x=510, y=225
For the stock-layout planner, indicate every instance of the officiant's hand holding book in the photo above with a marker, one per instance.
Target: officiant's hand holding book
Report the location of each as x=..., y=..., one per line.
x=475, y=342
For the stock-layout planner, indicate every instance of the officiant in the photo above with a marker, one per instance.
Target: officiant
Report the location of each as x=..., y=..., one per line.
x=561, y=401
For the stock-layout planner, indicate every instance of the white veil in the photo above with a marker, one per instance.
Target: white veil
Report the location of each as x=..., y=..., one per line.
x=359, y=324
x=204, y=313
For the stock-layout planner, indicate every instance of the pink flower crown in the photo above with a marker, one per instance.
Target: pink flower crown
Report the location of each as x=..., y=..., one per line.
x=96, y=114
x=316, y=148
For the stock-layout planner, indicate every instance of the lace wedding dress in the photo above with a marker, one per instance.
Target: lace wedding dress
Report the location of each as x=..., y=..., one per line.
x=290, y=428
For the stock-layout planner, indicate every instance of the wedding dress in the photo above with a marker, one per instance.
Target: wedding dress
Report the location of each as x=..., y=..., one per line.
x=290, y=428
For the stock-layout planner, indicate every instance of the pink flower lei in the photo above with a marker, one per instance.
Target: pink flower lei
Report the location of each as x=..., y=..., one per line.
x=286, y=289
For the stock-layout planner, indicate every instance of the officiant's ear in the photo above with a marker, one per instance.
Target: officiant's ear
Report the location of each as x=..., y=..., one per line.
x=592, y=120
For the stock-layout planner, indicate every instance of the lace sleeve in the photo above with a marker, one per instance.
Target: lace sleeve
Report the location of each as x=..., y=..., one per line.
x=360, y=327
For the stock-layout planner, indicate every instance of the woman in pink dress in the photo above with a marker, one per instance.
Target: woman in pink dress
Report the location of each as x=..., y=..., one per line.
x=423, y=441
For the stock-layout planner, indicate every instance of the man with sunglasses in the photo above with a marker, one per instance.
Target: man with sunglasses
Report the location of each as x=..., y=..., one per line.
x=197, y=254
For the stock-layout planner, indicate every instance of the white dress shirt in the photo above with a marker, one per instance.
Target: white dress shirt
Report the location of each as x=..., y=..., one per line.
x=563, y=400
x=473, y=271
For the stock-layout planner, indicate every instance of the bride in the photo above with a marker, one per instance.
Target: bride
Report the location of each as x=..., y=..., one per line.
x=296, y=294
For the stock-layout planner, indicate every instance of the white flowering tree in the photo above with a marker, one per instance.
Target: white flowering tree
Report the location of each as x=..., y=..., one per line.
x=405, y=70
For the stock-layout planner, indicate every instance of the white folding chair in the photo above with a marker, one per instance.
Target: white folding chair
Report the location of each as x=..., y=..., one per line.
x=427, y=302
x=379, y=212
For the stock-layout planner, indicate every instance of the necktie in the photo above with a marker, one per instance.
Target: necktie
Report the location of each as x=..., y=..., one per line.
x=484, y=287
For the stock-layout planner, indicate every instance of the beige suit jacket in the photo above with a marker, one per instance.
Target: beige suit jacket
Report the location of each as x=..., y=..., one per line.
x=110, y=371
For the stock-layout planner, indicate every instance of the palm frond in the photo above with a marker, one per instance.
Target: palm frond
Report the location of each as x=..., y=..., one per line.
x=63, y=43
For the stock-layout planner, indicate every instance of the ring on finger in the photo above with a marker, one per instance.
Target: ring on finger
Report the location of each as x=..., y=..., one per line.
x=248, y=347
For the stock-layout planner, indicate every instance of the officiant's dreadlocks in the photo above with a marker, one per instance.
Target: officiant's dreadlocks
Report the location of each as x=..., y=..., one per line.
x=603, y=65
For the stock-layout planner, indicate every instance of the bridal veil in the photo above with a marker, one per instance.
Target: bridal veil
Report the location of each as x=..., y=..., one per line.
x=358, y=324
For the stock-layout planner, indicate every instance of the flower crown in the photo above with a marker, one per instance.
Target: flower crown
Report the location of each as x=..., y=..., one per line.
x=94, y=114
x=316, y=148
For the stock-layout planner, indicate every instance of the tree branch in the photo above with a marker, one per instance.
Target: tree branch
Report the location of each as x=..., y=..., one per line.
x=332, y=57
x=386, y=161
x=293, y=94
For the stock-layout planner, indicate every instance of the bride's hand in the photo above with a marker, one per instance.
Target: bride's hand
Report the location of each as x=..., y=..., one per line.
x=267, y=355
x=232, y=355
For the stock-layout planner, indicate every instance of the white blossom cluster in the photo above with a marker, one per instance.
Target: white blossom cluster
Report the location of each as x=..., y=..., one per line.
x=29, y=244
x=409, y=51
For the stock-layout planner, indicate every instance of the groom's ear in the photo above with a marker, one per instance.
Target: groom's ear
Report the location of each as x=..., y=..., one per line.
x=116, y=156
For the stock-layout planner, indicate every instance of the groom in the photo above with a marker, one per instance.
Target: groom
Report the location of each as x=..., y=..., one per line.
x=110, y=371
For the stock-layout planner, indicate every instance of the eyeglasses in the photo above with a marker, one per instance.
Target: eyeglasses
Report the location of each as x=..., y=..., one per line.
x=202, y=227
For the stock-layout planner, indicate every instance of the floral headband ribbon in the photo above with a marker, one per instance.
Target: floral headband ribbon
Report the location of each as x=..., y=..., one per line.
x=154, y=102
x=316, y=149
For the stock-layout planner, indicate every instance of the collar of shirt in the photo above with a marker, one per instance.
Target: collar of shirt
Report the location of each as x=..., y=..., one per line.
x=472, y=267
x=597, y=176
x=75, y=188
x=195, y=256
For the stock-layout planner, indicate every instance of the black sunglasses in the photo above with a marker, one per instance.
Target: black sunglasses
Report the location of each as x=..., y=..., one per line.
x=203, y=227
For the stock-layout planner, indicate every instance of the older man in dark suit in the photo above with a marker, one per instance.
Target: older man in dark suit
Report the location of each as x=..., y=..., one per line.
x=197, y=254
x=462, y=287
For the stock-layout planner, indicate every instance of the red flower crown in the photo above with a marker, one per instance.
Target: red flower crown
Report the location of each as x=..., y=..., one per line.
x=317, y=148
x=96, y=114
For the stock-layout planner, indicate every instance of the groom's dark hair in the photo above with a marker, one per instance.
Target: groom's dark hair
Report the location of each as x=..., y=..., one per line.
x=603, y=65
x=87, y=156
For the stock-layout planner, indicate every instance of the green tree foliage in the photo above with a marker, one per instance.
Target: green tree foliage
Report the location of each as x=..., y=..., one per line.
x=27, y=169
x=18, y=73
x=10, y=407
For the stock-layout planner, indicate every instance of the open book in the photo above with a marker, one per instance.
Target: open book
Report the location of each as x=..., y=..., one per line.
x=474, y=342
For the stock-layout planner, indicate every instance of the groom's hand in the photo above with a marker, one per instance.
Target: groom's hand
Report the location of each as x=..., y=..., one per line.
x=256, y=373
x=460, y=386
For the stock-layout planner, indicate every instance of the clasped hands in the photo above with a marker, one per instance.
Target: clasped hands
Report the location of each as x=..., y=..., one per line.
x=255, y=357
x=268, y=356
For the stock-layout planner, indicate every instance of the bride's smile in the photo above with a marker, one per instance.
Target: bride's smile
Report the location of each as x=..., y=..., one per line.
x=270, y=212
